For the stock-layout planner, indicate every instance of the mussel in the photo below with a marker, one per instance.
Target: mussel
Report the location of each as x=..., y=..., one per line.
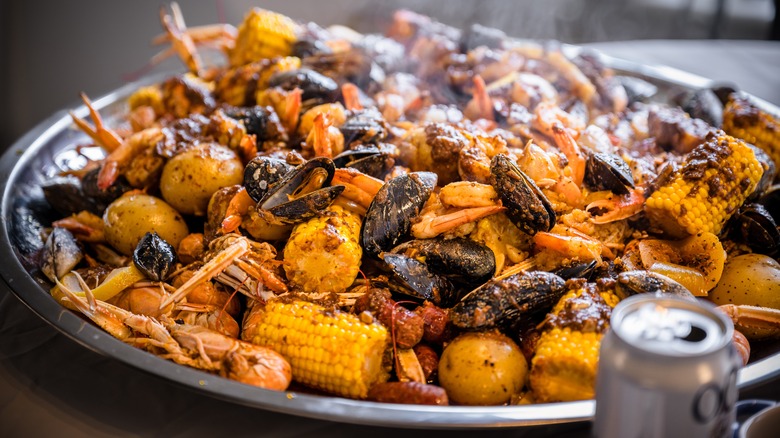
x=412, y=278
x=260, y=121
x=577, y=270
x=702, y=104
x=755, y=226
x=371, y=160
x=389, y=217
x=302, y=192
x=463, y=261
x=608, y=172
x=263, y=172
x=501, y=302
x=66, y=196
x=315, y=86
x=364, y=126
x=61, y=253
x=526, y=205
x=154, y=257
x=642, y=281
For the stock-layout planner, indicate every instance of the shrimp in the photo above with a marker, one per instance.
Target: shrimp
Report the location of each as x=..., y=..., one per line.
x=120, y=158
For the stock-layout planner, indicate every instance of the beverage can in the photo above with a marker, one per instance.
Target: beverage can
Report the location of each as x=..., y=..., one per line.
x=667, y=367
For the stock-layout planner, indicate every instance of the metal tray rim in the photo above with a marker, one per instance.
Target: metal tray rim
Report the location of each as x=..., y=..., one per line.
x=35, y=297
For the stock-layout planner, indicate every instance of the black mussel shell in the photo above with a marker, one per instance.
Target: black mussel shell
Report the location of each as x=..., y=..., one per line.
x=768, y=177
x=461, y=260
x=263, y=172
x=364, y=126
x=389, y=217
x=293, y=181
x=66, y=196
x=526, y=205
x=154, y=257
x=413, y=278
x=369, y=160
x=504, y=302
x=259, y=121
x=770, y=199
x=577, y=270
x=608, y=172
x=755, y=226
x=641, y=282
x=703, y=104
x=306, y=206
x=313, y=84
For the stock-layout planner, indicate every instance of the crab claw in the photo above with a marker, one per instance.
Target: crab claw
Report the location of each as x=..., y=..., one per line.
x=753, y=321
x=103, y=136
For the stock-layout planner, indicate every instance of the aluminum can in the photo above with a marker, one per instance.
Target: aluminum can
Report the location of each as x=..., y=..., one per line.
x=667, y=368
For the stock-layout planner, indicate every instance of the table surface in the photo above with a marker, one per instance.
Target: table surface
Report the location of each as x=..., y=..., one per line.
x=51, y=385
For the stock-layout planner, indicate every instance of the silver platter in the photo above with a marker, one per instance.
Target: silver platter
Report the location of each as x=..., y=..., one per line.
x=41, y=153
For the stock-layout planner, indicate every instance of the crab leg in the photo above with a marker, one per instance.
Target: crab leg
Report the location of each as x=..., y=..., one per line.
x=103, y=136
x=209, y=270
x=753, y=321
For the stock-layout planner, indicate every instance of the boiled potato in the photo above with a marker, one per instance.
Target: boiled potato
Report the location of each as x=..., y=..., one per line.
x=131, y=216
x=191, y=177
x=482, y=369
x=751, y=279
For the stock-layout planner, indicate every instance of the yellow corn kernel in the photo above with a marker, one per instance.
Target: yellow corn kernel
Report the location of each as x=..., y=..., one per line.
x=262, y=34
x=712, y=184
x=323, y=254
x=327, y=349
x=566, y=358
x=564, y=367
x=744, y=120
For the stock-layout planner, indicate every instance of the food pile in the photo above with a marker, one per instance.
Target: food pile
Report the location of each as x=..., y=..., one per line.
x=427, y=216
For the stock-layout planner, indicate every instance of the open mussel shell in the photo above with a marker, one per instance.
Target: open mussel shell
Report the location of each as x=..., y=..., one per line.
x=412, y=278
x=461, y=260
x=303, y=192
x=641, y=282
x=504, y=302
x=608, y=172
x=315, y=86
x=526, y=205
x=389, y=217
x=755, y=226
x=154, y=257
x=61, y=253
x=261, y=173
x=370, y=160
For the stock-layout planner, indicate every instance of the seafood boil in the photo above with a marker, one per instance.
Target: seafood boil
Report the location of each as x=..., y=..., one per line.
x=424, y=216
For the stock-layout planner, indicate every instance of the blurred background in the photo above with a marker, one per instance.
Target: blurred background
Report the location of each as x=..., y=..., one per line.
x=51, y=51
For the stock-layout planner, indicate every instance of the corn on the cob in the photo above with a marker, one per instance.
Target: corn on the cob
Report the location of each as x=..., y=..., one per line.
x=262, y=34
x=328, y=350
x=323, y=254
x=744, y=120
x=566, y=359
x=707, y=190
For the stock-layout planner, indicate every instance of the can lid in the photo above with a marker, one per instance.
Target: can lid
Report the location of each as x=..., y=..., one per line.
x=670, y=326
